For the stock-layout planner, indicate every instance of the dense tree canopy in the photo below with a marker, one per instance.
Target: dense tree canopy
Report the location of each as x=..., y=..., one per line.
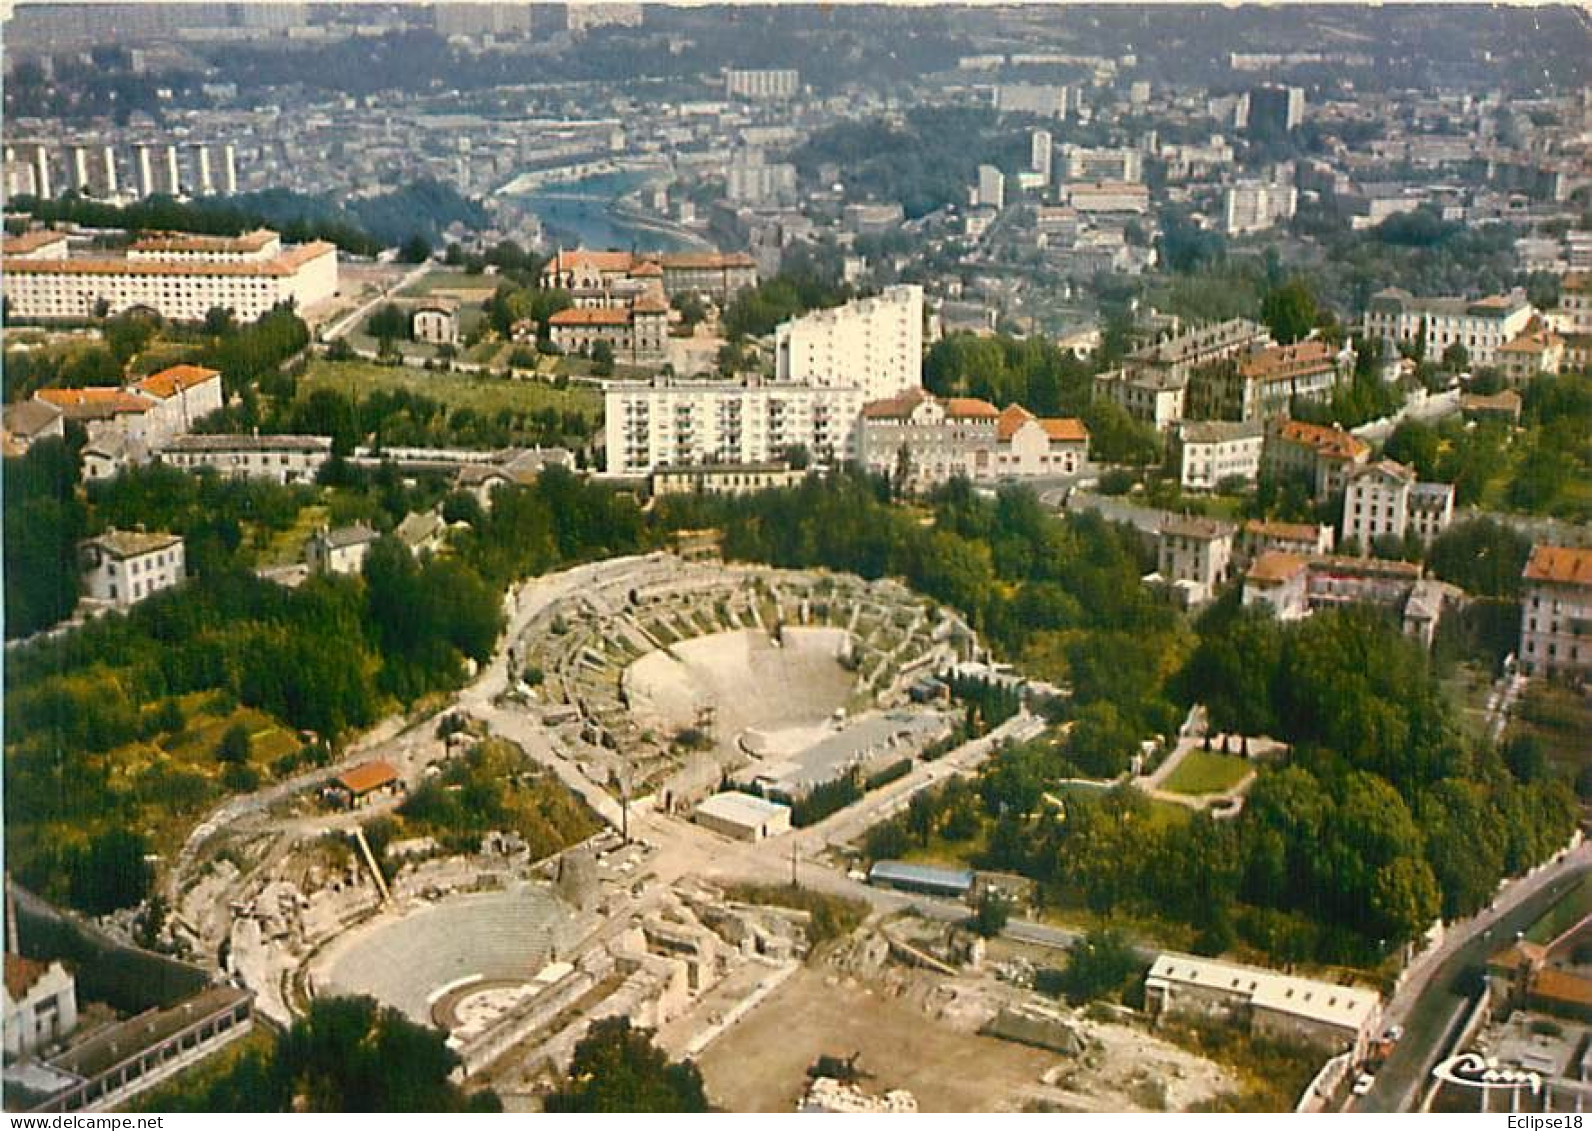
x=617, y=1068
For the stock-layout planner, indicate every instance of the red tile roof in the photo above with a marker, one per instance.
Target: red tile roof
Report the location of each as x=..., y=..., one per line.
x=21, y=974
x=170, y=382
x=1065, y=429
x=1327, y=441
x=599, y=260
x=1013, y=417
x=591, y=316
x=78, y=403
x=1275, y=567
x=964, y=408
x=368, y=776
x=898, y=407
x=1566, y=565
x=31, y=241
x=285, y=264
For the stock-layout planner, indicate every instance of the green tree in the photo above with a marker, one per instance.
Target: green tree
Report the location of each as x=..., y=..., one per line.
x=415, y=249
x=617, y=1068
x=991, y=915
x=235, y=745
x=1099, y=965
x=44, y=521
x=110, y=873
x=1290, y=310
x=389, y=322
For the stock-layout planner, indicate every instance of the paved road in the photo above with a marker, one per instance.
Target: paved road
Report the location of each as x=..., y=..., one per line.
x=1425, y=1005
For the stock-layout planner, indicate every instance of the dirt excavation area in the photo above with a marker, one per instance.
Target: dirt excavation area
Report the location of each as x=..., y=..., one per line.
x=921, y=1032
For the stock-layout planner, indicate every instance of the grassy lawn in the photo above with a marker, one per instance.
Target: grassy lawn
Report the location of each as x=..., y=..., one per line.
x=1560, y=720
x=480, y=287
x=1203, y=771
x=1569, y=911
x=286, y=547
x=943, y=853
x=486, y=395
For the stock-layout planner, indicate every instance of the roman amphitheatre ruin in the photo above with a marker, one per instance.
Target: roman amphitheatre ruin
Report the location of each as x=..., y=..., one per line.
x=667, y=676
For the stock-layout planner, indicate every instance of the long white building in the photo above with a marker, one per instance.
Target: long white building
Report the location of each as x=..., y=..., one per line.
x=1483, y=326
x=875, y=344
x=179, y=277
x=668, y=423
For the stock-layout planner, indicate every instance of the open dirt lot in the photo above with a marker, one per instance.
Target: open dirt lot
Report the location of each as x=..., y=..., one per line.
x=748, y=679
x=760, y=1064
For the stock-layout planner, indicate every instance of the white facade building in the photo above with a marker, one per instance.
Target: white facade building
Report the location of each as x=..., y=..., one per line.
x=124, y=567
x=1383, y=499
x=762, y=85
x=281, y=459
x=1214, y=450
x=40, y=1005
x=1195, y=556
x=873, y=344
x=1252, y=206
x=1040, y=153
x=669, y=423
x=1556, y=612
x=179, y=278
x=991, y=187
x=1122, y=164
x=1483, y=326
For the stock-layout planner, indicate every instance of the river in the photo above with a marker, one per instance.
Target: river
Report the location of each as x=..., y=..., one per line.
x=581, y=214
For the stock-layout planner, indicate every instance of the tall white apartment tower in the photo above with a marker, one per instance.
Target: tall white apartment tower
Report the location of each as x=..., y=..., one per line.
x=173, y=174
x=229, y=169
x=1039, y=155
x=41, y=172
x=146, y=173
x=108, y=158
x=991, y=186
x=80, y=168
x=206, y=185
x=873, y=344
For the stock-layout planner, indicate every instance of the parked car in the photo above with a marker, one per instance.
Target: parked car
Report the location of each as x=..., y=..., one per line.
x=1394, y=1034
x=1364, y=1084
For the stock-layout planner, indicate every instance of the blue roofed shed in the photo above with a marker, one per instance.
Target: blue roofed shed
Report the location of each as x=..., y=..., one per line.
x=949, y=883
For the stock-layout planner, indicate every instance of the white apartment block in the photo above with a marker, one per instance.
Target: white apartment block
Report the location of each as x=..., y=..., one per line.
x=124, y=567
x=1123, y=164
x=1383, y=499
x=1211, y=451
x=991, y=187
x=1556, y=612
x=1040, y=153
x=1483, y=326
x=1195, y=556
x=281, y=459
x=1252, y=206
x=667, y=423
x=874, y=345
x=178, y=278
x=1031, y=98
x=762, y=85
x=1107, y=197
